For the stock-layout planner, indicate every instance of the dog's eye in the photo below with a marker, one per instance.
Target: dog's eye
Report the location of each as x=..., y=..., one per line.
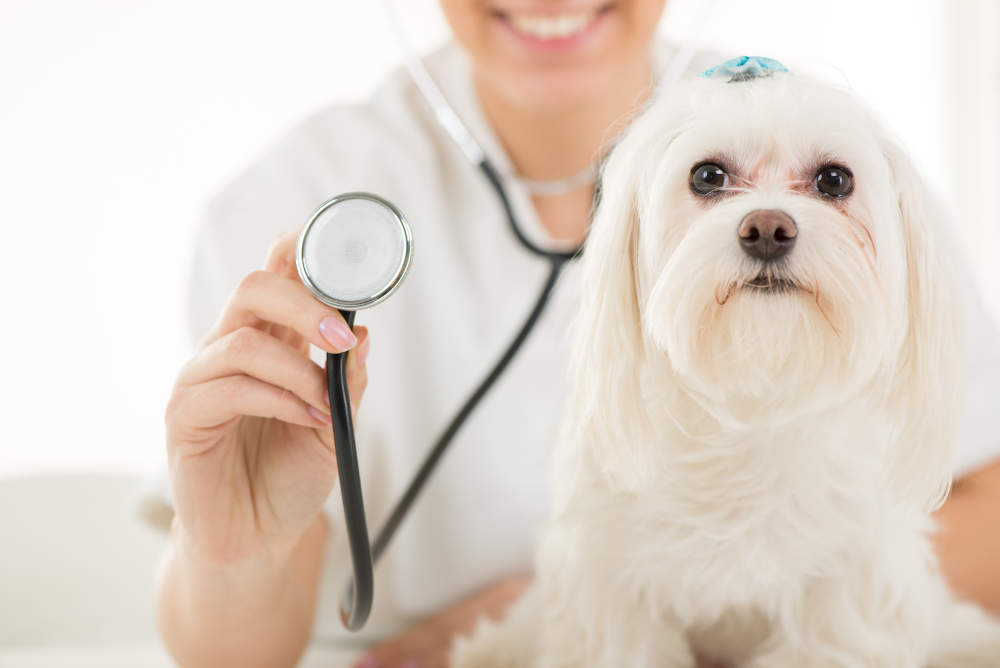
x=833, y=181
x=708, y=178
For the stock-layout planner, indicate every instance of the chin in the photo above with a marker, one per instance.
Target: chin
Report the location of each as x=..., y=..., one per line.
x=555, y=90
x=765, y=384
x=558, y=55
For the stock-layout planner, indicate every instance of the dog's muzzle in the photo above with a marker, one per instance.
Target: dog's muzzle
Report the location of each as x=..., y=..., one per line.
x=767, y=234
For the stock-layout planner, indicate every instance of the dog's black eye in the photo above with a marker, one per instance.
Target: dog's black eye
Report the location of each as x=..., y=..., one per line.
x=708, y=178
x=833, y=181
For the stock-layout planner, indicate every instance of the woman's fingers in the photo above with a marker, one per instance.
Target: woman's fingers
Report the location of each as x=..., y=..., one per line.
x=219, y=400
x=265, y=297
x=427, y=644
x=255, y=353
x=281, y=255
x=281, y=261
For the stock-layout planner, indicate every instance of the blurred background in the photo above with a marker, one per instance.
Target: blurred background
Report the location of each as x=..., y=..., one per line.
x=118, y=118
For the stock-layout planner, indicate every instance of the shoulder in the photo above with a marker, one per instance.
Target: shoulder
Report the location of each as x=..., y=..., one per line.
x=384, y=144
x=341, y=147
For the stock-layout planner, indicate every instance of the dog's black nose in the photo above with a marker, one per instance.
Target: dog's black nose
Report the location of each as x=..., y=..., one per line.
x=767, y=234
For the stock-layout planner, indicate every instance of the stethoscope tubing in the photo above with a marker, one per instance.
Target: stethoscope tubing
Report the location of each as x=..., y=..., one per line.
x=356, y=601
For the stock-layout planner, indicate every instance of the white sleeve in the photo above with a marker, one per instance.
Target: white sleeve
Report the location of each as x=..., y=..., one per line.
x=979, y=426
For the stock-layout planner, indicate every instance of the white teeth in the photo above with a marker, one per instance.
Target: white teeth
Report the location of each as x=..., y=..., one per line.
x=552, y=27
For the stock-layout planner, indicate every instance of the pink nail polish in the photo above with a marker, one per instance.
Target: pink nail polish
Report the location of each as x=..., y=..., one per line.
x=337, y=333
x=320, y=416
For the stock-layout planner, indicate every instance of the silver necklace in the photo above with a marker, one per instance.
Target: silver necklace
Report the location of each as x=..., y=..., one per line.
x=553, y=187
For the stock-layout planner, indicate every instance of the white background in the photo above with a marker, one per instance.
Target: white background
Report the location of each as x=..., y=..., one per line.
x=118, y=117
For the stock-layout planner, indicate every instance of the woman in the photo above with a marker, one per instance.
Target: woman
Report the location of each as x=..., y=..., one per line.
x=257, y=557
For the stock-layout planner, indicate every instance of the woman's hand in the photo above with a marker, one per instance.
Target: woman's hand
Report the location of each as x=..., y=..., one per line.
x=249, y=441
x=427, y=644
x=251, y=459
x=968, y=542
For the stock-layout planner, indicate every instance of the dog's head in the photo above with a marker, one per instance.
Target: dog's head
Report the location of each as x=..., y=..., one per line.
x=764, y=247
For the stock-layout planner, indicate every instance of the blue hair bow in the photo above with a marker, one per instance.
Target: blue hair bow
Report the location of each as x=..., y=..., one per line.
x=744, y=68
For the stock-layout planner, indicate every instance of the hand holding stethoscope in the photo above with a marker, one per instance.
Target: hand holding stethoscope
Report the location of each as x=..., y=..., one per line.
x=249, y=442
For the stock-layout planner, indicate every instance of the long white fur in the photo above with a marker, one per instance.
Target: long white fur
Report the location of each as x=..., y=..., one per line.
x=746, y=476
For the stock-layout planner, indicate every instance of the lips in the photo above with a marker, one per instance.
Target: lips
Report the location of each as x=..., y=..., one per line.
x=771, y=284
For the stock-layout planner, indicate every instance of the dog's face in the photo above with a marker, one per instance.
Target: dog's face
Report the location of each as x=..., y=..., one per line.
x=764, y=251
x=771, y=258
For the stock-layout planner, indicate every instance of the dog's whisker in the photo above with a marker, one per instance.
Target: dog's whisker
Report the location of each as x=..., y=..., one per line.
x=744, y=179
x=819, y=306
x=721, y=301
x=868, y=233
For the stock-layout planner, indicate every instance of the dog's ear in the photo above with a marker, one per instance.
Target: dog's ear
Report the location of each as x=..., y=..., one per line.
x=606, y=415
x=926, y=390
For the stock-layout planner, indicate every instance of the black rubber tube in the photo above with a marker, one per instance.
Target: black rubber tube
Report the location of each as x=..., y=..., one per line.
x=419, y=479
x=494, y=178
x=356, y=602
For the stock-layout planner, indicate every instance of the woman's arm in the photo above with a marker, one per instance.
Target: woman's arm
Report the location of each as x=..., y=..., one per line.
x=427, y=643
x=969, y=541
x=255, y=613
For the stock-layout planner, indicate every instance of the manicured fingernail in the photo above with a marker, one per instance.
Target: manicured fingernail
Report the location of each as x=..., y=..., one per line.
x=326, y=398
x=337, y=333
x=363, y=351
x=367, y=661
x=321, y=417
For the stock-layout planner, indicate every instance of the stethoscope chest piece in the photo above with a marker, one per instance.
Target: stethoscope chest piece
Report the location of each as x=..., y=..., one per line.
x=354, y=251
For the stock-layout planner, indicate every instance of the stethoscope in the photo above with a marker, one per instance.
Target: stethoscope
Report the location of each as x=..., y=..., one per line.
x=353, y=253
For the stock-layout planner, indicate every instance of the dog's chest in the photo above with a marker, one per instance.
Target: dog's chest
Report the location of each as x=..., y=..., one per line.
x=745, y=529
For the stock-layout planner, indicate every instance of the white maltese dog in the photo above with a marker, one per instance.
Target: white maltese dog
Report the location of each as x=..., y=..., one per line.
x=765, y=390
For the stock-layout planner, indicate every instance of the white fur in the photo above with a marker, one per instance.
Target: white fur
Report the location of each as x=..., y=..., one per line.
x=747, y=476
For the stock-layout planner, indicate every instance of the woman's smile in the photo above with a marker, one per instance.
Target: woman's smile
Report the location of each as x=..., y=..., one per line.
x=552, y=29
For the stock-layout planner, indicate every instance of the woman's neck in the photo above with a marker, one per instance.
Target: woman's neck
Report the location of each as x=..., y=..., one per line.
x=555, y=142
